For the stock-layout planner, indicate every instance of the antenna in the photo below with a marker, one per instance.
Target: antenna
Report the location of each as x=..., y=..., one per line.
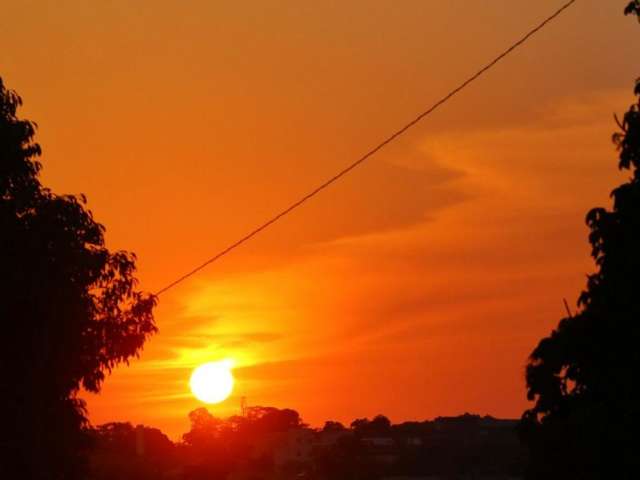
x=566, y=306
x=243, y=406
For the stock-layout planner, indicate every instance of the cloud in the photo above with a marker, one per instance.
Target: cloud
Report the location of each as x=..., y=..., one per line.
x=384, y=194
x=225, y=341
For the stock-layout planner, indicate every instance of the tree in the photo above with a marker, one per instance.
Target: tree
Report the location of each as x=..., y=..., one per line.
x=263, y=420
x=205, y=428
x=633, y=8
x=583, y=377
x=331, y=426
x=69, y=308
x=378, y=427
x=217, y=446
x=122, y=451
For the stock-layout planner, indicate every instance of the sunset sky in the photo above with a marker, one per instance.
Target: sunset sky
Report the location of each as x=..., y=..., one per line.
x=416, y=287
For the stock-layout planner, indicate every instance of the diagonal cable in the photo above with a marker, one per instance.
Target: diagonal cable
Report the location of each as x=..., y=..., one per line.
x=371, y=152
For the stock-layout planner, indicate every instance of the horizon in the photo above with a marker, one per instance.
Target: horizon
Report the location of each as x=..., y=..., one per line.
x=318, y=427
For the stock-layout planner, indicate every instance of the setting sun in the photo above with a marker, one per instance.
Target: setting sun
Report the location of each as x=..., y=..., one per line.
x=212, y=382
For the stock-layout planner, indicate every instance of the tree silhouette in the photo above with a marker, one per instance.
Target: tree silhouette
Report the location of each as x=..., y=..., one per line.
x=217, y=447
x=122, y=451
x=331, y=426
x=379, y=426
x=633, y=7
x=69, y=307
x=583, y=376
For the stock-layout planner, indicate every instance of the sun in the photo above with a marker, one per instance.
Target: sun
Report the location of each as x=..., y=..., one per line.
x=212, y=382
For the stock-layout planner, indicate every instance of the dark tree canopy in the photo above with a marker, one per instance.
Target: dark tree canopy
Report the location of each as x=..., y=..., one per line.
x=69, y=308
x=219, y=446
x=583, y=377
x=205, y=428
x=379, y=426
x=633, y=8
x=333, y=426
x=122, y=451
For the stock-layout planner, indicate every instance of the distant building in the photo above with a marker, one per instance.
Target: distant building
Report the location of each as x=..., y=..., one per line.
x=413, y=441
x=469, y=447
x=381, y=450
x=379, y=442
x=294, y=445
x=324, y=439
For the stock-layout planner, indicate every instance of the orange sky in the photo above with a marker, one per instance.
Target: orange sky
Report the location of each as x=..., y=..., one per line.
x=416, y=287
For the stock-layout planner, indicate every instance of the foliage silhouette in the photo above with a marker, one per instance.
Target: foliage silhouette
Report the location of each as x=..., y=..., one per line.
x=219, y=446
x=122, y=451
x=270, y=443
x=633, y=8
x=333, y=426
x=70, y=310
x=379, y=426
x=582, y=377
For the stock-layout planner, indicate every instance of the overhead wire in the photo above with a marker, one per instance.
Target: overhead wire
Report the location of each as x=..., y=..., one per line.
x=371, y=152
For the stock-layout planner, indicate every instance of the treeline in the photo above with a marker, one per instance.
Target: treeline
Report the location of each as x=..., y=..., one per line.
x=269, y=443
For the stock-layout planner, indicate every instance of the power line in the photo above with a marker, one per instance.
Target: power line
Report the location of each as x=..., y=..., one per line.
x=371, y=152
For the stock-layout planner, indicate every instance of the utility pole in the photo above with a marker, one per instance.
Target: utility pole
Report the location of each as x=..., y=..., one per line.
x=243, y=406
x=566, y=305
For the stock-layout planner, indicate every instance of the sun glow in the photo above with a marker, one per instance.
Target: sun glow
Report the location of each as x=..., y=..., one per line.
x=212, y=382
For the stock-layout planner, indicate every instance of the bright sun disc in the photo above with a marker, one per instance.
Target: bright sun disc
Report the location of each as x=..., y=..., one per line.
x=212, y=382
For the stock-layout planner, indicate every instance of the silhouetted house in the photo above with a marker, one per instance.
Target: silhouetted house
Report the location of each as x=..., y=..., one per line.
x=379, y=442
x=292, y=446
x=413, y=441
x=380, y=450
x=325, y=439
